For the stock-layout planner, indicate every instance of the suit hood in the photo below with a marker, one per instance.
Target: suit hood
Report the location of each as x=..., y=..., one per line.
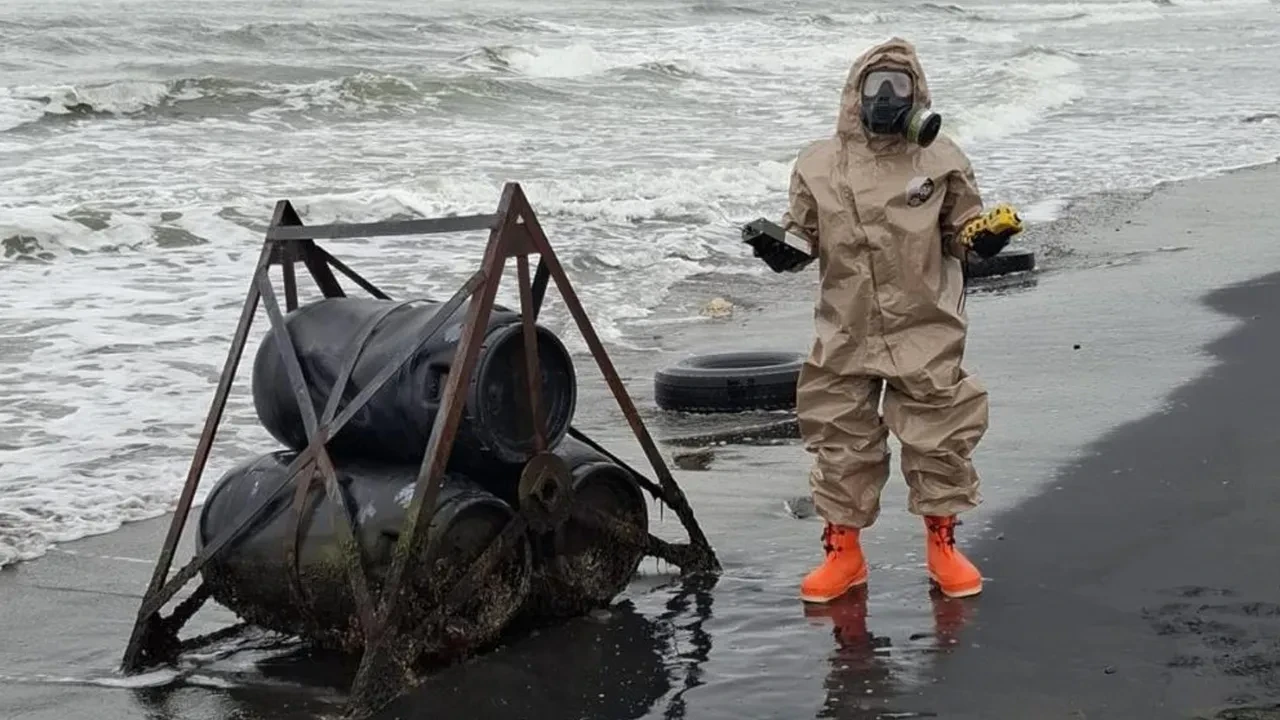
x=892, y=53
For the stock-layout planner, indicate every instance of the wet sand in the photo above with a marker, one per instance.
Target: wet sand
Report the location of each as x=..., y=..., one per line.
x=1148, y=585
x=1099, y=341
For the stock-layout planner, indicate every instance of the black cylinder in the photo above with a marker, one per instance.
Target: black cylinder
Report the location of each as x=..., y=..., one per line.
x=395, y=424
x=576, y=567
x=253, y=579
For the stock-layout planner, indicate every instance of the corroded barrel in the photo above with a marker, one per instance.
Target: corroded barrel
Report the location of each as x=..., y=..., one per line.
x=578, y=567
x=253, y=577
x=395, y=424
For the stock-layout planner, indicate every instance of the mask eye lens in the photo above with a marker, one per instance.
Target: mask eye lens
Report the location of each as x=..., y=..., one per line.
x=899, y=83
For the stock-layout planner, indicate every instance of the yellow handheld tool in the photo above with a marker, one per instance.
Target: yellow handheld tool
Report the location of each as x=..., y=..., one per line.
x=988, y=233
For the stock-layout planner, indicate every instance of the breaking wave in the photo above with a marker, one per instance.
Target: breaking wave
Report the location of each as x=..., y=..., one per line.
x=202, y=97
x=572, y=61
x=1050, y=13
x=717, y=7
x=1037, y=81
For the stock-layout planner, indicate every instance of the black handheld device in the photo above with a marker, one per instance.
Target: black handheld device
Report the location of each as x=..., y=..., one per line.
x=780, y=250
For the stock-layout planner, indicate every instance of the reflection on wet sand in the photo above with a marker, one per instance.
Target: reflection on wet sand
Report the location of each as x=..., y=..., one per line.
x=615, y=664
x=864, y=676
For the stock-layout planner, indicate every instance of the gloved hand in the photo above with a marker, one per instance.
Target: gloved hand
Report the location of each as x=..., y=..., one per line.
x=990, y=232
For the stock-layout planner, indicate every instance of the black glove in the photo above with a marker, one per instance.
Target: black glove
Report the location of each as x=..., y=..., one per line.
x=988, y=245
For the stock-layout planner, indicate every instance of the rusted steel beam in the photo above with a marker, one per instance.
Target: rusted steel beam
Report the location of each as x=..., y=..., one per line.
x=679, y=554
x=357, y=347
x=533, y=373
x=518, y=241
x=370, y=685
x=290, y=278
x=346, y=533
x=284, y=346
x=446, y=311
x=198, y=461
x=455, y=592
x=675, y=496
x=285, y=215
x=430, y=226
x=314, y=258
x=444, y=429
x=356, y=573
x=540, y=278
x=351, y=274
x=644, y=482
x=301, y=493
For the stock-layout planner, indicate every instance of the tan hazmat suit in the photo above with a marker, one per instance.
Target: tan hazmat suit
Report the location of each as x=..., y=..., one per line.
x=882, y=214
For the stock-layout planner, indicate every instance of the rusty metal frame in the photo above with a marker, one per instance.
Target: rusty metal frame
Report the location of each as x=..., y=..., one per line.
x=388, y=649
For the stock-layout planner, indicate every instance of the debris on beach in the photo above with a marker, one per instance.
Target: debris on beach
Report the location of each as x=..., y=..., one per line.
x=800, y=507
x=718, y=308
x=695, y=459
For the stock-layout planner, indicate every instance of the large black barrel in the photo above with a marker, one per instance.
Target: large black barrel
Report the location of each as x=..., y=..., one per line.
x=252, y=577
x=578, y=568
x=395, y=424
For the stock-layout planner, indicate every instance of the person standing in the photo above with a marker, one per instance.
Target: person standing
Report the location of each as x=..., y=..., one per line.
x=888, y=207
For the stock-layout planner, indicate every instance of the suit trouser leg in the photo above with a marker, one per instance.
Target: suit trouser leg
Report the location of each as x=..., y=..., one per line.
x=840, y=423
x=939, y=429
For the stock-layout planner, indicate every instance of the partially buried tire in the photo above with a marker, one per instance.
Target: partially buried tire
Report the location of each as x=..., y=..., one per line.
x=729, y=382
x=1003, y=263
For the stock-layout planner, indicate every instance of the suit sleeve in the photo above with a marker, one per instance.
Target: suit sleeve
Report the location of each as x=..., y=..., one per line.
x=801, y=217
x=962, y=203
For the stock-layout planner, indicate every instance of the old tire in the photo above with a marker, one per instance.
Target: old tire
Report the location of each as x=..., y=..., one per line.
x=729, y=382
x=1009, y=260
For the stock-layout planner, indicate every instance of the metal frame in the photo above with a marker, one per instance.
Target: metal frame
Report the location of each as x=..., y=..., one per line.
x=386, y=666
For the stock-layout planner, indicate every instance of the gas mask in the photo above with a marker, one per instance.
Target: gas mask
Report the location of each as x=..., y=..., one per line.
x=888, y=108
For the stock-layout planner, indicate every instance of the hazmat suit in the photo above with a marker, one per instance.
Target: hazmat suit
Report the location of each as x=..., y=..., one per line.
x=882, y=215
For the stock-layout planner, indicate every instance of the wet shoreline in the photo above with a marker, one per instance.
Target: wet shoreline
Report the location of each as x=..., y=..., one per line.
x=1064, y=366
x=1146, y=586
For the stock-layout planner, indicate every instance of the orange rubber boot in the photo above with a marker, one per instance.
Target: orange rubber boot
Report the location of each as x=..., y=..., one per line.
x=844, y=568
x=955, y=576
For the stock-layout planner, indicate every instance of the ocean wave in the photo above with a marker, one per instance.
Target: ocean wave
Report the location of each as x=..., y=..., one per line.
x=257, y=35
x=987, y=36
x=1033, y=51
x=1047, y=13
x=951, y=10
x=571, y=61
x=714, y=195
x=31, y=233
x=1035, y=81
x=202, y=97
x=718, y=7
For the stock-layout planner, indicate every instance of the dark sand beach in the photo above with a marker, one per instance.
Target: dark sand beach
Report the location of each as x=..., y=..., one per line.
x=1148, y=584
x=1126, y=534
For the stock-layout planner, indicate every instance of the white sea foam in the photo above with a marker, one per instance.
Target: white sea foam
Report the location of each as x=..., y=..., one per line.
x=1032, y=85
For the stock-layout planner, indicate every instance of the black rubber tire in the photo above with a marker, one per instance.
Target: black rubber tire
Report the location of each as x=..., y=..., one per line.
x=1009, y=260
x=729, y=382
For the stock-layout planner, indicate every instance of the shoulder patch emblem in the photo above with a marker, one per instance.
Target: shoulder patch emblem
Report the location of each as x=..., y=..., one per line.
x=919, y=190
